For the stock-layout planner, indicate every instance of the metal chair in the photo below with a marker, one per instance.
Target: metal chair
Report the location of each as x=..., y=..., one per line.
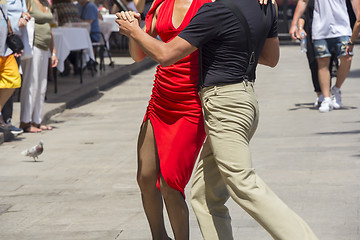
x=100, y=48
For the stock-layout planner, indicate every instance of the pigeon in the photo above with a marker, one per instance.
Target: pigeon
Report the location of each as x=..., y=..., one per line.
x=35, y=151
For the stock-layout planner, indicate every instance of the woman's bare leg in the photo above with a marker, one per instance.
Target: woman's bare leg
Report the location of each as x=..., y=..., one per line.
x=177, y=210
x=147, y=175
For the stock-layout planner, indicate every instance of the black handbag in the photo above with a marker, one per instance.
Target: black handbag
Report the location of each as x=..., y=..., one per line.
x=13, y=41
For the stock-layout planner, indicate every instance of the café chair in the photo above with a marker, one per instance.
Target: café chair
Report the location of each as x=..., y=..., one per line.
x=100, y=49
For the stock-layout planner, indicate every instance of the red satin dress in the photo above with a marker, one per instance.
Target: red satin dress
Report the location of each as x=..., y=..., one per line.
x=175, y=108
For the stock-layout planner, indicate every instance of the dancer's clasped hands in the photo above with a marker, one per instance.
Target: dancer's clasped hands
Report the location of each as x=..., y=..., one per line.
x=128, y=21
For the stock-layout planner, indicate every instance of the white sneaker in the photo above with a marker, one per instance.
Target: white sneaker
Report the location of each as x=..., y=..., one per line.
x=319, y=100
x=326, y=105
x=336, y=98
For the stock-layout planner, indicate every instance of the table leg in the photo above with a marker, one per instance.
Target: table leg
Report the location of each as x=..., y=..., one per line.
x=55, y=79
x=81, y=66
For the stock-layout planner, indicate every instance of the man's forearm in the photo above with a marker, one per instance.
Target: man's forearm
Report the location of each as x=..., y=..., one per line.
x=164, y=53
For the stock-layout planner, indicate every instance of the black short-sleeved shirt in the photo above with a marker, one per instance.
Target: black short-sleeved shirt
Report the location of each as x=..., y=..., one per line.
x=223, y=40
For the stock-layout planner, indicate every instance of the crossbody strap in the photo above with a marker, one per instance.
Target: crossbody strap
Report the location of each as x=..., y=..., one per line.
x=250, y=41
x=236, y=11
x=200, y=82
x=10, y=31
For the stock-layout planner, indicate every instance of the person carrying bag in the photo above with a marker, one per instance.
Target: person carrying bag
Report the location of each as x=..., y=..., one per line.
x=13, y=41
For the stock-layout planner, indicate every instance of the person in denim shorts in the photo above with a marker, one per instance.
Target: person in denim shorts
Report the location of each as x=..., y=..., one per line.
x=331, y=33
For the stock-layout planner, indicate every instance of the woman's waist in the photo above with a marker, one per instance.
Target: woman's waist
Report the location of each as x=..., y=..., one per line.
x=175, y=75
x=163, y=106
x=177, y=95
x=176, y=88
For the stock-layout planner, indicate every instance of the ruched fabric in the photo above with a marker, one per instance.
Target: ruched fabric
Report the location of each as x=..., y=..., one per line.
x=175, y=108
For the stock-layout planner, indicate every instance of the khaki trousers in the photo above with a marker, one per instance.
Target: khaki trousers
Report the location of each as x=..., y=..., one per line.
x=225, y=170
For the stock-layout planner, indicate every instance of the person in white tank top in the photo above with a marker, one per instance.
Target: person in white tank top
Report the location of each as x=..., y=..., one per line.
x=331, y=19
x=331, y=33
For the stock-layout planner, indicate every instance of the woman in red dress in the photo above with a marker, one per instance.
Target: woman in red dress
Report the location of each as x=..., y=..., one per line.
x=172, y=132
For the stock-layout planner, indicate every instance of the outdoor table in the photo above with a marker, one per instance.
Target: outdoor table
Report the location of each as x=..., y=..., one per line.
x=68, y=39
x=110, y=18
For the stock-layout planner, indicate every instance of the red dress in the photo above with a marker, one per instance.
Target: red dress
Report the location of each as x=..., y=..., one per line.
x=175, y=108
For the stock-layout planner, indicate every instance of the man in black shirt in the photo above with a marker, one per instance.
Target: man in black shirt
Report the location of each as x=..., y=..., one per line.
x=230, y=110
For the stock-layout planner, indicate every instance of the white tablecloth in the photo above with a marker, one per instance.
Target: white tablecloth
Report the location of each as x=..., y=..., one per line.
x=71, y=39
x=110, y=18
x=106, y=28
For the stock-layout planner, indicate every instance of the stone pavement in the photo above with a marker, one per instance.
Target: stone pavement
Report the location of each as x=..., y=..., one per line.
x=70, y=91
x=84, y=185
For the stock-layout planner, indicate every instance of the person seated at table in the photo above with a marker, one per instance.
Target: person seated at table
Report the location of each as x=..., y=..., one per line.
x=89, y=13
x=103, y=7
x=67, y=11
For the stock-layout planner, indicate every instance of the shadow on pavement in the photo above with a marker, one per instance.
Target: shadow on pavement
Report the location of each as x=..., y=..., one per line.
x=354, y=74
x=338, y=133
x=310, y=106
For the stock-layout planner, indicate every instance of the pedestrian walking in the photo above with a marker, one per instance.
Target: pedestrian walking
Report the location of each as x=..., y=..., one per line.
x=9, y=71
x=18, y=17
x=331, y=32
x=302, y=29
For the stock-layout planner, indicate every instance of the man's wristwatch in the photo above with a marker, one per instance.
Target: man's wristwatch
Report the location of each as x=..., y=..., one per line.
x=350, y=43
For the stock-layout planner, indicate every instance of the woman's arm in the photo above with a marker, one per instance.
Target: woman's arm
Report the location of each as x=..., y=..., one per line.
x=136, y=52
x=54, y=59
x=163, y=53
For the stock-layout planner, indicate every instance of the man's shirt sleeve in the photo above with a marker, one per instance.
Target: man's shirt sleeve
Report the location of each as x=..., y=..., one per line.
x=202, y=27
x=274, y=28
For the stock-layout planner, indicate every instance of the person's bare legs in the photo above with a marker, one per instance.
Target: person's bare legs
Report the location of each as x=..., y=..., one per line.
x=177, y=210
x=5, y=94
x=343, y=70
x=324, y=75
x=147, y=175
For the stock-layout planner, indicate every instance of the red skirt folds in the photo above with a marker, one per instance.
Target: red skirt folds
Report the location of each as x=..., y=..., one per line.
x=176, y=116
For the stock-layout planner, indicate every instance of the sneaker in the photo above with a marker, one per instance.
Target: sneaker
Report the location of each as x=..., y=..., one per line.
x=336, y=98
x=15, y=131
x=319, y=100
x=326, y=105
